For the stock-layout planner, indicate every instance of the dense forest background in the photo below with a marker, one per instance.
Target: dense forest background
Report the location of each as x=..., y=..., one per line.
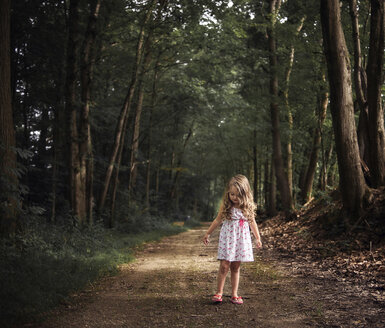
x=134, y=114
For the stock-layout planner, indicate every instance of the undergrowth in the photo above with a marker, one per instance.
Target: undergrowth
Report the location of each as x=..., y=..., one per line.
x=45, y=263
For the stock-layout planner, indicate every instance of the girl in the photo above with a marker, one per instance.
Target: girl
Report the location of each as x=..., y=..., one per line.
x=237, y=212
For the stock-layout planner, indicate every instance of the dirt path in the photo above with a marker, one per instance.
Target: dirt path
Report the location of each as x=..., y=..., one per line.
x=170, y=284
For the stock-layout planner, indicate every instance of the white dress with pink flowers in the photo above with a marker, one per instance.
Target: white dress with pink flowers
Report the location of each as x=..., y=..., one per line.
x=235, y=239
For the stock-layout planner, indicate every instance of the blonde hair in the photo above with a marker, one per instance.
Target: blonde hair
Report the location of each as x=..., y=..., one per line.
x=246, y=202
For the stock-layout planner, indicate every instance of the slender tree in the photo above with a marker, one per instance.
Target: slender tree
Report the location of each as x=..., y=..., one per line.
x=282, y=181
x=9, y=200
x=360, y=85
x=71, y=107
x=352, y=184
x=80, y=147
x=375, y=81
x=289, y=69
x=138, y=112
x=85, y=142
x=123, y=117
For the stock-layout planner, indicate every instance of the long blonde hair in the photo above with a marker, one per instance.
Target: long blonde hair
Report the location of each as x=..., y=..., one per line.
x=246, y=202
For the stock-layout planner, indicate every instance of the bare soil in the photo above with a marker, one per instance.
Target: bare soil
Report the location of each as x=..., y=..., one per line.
x=171, y=282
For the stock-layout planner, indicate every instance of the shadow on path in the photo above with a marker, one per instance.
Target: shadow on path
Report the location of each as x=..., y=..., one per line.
x=170, y=285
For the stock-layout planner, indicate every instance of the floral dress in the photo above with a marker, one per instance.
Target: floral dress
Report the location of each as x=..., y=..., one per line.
x=235, y=239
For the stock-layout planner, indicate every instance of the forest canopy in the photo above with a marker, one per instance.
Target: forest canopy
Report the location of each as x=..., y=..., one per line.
x=116, y=109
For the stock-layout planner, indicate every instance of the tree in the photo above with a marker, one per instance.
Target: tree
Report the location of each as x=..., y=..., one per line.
x=289, y=112
x=123, y=117
x=368, y=93
x=352, y=184
x=9, y=198
x=85, y=158
x=282, y=180
x=360, y=84
x=375, y=81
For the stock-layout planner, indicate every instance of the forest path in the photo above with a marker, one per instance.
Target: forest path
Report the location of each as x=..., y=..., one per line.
x=170, y=285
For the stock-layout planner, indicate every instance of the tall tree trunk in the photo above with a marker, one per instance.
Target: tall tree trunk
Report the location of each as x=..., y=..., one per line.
x=375, y=80
x=359, y=72
x=115, y=183
x=59, y=171
x=308, y=183
x=135, y=140
x=85, y=141
x=9, y=198
x=138, y=113
x=352, y=184
x=126, y=105
x=71, y=110
x=360, y=84
x=282, y=181
x=289, y=69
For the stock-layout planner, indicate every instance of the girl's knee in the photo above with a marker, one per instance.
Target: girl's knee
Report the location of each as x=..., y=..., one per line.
x=234, y=266
x=224, y=267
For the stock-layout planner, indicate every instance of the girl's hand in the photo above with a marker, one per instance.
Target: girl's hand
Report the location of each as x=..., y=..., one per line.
x=258, y=243
x=206, y=239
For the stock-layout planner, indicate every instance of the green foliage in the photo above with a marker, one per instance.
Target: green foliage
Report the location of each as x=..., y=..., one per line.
x=46, y=263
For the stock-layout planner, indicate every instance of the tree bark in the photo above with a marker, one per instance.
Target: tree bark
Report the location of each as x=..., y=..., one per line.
x=375, y=80
x=360, y=84
x=282, y=181
x=352, y=184
x=9, y=198
x=85, y=141
x=81, y=164
x=71, y=110
x=135, y=140
x=138, y=113
x=359, y=72
x=115, y=183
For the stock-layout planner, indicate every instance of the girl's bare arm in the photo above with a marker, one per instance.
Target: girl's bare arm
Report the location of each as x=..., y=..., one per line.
x=213, y=225
x=255, y=230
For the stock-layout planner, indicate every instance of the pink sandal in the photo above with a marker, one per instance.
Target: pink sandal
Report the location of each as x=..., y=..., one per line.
x=237, y=300
x=217, y=298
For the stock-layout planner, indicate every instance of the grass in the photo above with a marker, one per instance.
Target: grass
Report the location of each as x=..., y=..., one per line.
x=42, y=266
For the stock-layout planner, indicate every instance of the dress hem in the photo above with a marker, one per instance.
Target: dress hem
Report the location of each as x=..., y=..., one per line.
x=235, y=260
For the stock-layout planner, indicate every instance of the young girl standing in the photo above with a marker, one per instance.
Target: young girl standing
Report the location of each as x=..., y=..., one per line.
x=237, y=212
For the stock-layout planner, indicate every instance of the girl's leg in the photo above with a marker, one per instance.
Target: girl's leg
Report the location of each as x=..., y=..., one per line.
x=222, y=273
x=235, y=270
